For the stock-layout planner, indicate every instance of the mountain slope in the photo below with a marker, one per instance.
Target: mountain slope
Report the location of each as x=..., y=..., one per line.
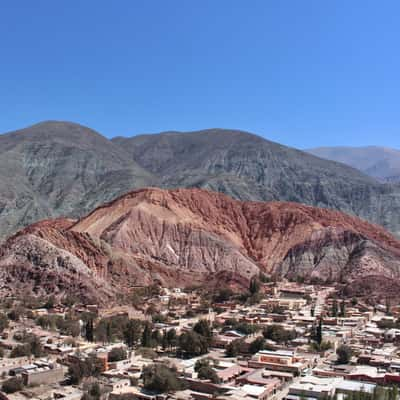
x=64, y=169
x=191, y=236
x=382, y=163
x=60, y=168
x=249, y=167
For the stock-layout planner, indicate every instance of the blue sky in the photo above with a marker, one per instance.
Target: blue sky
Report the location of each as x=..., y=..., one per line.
x=300, y=72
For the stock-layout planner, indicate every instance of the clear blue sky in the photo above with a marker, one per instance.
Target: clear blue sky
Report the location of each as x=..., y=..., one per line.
x=300, y=72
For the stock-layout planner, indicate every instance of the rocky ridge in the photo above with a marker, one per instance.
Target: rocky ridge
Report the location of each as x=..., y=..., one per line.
x=190, y=236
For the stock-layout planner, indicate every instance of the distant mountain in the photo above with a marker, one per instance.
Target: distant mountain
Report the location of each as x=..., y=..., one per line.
x=248, y=167
x=64, y=169
x=60, y=168
x=382, y=163
x=191, y=237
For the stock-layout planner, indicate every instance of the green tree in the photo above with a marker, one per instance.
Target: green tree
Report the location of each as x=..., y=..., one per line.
x=21, y=350
x=160, y=378
x=318, y=332
x=89, y=330
x=132, y=332
x=254, y=286
x=334, y=311
x=234, y=348
x=16, y=313
x=278, y=333
x=117, y=354
x=156, y=337
x=172, y=338
x=343, y=309
x=80, y=369
x=344, y=354
x=203, y=328
x=3, y=322
x=208, y=373
x=256, y=345
x=12, y=385
x=147, y=340
x=193, y=344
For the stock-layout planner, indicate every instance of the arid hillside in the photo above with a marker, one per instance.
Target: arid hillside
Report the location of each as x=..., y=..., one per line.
x=191, y=236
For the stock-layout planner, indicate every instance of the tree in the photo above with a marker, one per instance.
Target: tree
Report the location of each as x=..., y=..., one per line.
x=344, y=354
x=160, y=378
x=334, y=311
x=207, y=372
x=342, y=309
x=12, y=385
x=89, y=330
x=279, y=334
x=146, y=336
x=3, y=322
x=117, y=354
x=318, y=332
x=257, y=345
x=31, y=346
x=224, y=294
x=203, y=328
x=80, y=369
x=22, y=350
x=323, y=346
x=36, y=347
x=156, y=337
x=254, y=286
x=172, y=338
x=50, y=302
x=193, y=343
x=132, y=332
x=388, y=306
x=69, y=327
x=234, y=348
x=16, y=313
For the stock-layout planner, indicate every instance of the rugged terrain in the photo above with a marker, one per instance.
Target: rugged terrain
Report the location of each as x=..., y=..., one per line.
x=190, y=236
x=57, y=169
x=382, y=163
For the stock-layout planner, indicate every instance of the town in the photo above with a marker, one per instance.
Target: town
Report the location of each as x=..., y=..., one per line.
x=276, y=340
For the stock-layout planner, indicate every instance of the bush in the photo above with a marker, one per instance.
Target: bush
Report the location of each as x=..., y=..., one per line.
x=12, y=385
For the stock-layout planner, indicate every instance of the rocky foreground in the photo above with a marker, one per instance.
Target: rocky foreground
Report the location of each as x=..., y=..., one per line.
x=191, y=237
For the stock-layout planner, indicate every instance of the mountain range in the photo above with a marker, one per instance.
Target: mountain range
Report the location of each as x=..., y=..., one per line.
x=187, y=237
x=64, y=169
x=382, y=163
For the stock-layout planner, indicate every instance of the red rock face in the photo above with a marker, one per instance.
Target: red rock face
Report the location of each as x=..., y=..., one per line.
x=191, y=236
